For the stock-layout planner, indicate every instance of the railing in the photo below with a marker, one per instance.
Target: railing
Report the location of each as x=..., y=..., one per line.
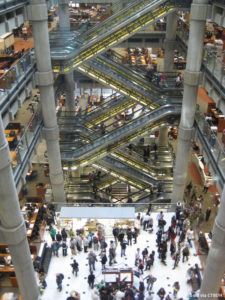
x=139, y=207
x=12, y=77
x=25, y=142
x=213, y=56
x=216, y=147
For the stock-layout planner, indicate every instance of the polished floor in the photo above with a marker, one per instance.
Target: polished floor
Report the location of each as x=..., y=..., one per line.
x=165, y=275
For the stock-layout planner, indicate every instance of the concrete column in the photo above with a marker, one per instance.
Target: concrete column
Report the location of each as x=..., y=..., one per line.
x=163, y=136
x=64, y=15
x=199, y=10
x=12, y=227
x=37, y=12
x=170, y=41
x=215, y=263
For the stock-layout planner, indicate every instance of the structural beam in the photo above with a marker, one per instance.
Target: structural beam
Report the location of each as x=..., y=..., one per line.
x=199, y=12
x=12, y=227
x=37, y=12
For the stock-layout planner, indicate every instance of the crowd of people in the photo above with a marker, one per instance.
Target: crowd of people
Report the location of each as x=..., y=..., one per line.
x=175, y=238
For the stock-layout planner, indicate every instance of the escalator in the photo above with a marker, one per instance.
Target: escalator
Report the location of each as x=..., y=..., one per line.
x=132, y=161
x=117, y=137
x=110, y=108
x=138, y=184
x=126, y=85
x=116, y=29
x=141, y=75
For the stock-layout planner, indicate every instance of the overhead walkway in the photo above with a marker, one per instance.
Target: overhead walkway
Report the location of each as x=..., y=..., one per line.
x=122, y=135
x=113, y=31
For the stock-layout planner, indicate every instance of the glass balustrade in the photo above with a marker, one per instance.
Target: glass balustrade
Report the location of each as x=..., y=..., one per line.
x=217, y=148
x=15, y=75
x=25, y=141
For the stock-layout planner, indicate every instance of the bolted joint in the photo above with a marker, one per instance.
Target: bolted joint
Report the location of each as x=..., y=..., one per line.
x=37, y=12
x=13, y=236
x=51, y=134
x=219, y=234
x=192, y=78
x=44, y=78
x=185, y=134
x=5, y=158
x=200, y=12
x=169, y=44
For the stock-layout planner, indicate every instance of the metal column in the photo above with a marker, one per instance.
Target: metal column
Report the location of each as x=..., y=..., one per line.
x=37, y=12
x=12, y=227
x=170, y=41
x=64, y=25
x=192, y=76
x=163, y=136
x=215, y=263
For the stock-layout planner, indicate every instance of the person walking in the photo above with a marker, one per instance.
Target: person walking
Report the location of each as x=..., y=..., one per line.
x=95, y=243
x=176, y=259
x=86, y=244
x=91, y=261
x=185, y=253
x=91, y=280
x=150, y=281
x=176, y=288
x=75, y=267
x=59, y=280
x=104, y=261
x=161, y=293
x=172, y=248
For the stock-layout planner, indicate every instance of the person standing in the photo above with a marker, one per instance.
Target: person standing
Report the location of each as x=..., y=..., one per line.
x=58, y=237
x=123, y=245
x=176, y=259
x=53, y=233
x=55, y=248
x=91, y=280
x=129, y=236
x=64, y=248
x=185, y=253
x=73, y=246
x=115, y=232
x=75, y=267
x=64, y=234
x=91, y=261
x=59, y=280
x=207, y=214
x=95, y=243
